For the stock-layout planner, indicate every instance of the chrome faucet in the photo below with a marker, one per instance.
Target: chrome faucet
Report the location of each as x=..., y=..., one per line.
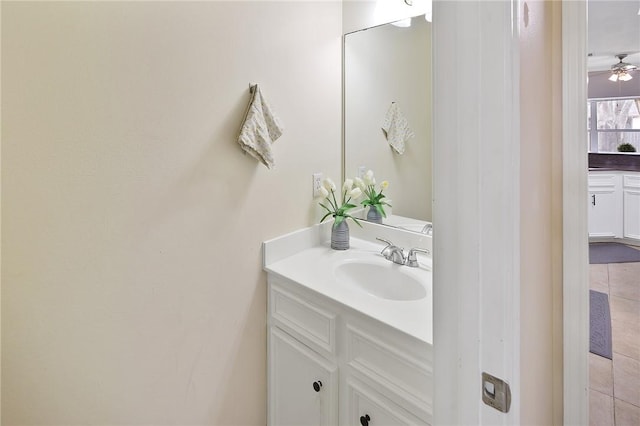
x=396, y=255
x=428, y=229
x=392, y=252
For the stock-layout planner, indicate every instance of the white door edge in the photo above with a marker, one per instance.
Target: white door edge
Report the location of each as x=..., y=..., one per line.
x=575, y=222
x=476, y=208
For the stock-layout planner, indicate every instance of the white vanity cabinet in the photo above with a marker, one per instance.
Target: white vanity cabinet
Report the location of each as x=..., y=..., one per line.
x=365, y=406
x=305, y=383
x=331, y=365
x=303, y=368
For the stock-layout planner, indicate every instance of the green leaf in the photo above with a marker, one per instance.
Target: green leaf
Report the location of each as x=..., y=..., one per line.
x=355, y=220
x=335, y=203
x=325, y=216
x=328, y=209
x=339, y=220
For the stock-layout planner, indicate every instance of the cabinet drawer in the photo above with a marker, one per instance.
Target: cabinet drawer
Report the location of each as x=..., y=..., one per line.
x=631, y=181
x=598, y=180
x=406, y=376
x=312, y=324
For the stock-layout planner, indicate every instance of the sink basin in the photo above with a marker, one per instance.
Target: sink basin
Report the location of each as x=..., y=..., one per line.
x=382, y=279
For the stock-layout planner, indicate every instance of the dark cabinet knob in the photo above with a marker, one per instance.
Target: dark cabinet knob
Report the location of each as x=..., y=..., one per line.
x=317, y=385
x=364, y=420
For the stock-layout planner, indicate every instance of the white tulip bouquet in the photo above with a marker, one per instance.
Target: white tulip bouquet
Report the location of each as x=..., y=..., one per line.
x=339, y=210
x=374, y=198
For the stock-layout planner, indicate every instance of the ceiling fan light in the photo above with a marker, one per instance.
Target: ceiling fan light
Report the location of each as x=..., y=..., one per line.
x=624, y=76
x=614, y=77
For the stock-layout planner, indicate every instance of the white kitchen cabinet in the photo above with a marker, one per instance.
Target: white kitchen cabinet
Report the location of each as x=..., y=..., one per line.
x=605, y=205
x=604, y=214
x=366, y=368
x=631, y=205
x=614, y=205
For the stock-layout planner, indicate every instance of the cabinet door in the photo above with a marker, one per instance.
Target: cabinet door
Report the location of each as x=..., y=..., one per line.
x=303, y=387
x=631, y=213
x=605, y=218
x=366, y=407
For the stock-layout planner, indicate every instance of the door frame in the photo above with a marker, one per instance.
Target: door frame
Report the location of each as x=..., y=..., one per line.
x=476, y=209
x=575, y=241
x=459, y=316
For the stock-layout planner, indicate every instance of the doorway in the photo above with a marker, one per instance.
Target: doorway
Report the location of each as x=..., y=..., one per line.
x=576, y=270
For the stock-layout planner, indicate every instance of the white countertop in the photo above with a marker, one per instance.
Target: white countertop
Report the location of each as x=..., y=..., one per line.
x=313, y=268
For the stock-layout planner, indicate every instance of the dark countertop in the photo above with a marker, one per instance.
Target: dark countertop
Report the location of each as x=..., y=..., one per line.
x=614, y=161
x=612, y=169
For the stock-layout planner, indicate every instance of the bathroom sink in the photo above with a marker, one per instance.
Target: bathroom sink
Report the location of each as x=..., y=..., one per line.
x=382, y=279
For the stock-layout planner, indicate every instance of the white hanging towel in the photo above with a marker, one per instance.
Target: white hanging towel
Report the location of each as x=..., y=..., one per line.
x=260, y=129
x=396, y=128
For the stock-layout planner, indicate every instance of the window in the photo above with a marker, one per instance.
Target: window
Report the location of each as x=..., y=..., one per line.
x=612, y=122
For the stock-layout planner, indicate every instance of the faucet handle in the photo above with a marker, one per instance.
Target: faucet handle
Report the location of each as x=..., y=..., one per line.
x=387, y=251
x=412, y=259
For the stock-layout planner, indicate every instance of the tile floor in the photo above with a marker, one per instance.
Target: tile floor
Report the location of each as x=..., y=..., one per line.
x=614, y=396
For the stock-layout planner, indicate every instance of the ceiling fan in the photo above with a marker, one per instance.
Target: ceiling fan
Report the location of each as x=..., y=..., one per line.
x=621, y=70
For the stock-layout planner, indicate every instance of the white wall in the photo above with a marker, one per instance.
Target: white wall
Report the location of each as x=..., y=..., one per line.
x=132, y=290
x=601, y=87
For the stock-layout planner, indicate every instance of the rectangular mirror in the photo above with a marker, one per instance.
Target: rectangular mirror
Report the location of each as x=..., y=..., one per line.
x=383, y=65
